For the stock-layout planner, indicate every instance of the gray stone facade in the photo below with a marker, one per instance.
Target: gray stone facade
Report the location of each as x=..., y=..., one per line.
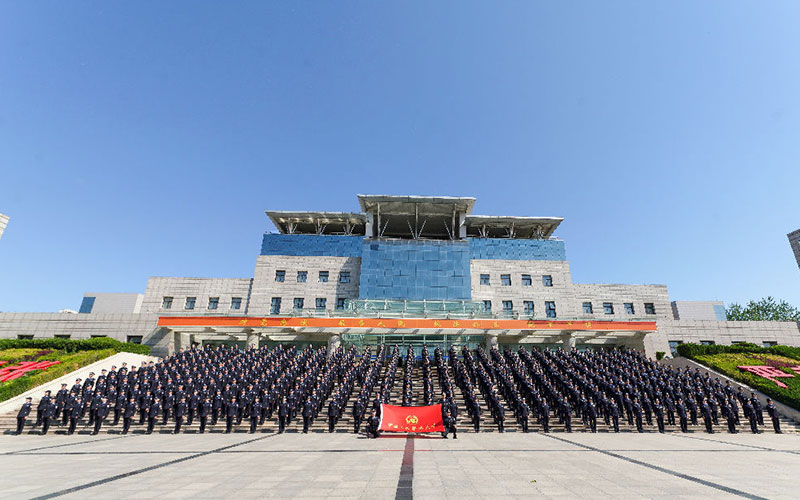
x=794, y=241
x=202, y=290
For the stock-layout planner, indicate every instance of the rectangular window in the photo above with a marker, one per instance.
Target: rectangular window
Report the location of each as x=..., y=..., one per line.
x=629, y=308
x=302, y=276
x=344, y=277
x=236, y=303
x=508, y=306
x=673, y=347
x=608, y=308
x=505, y=279
x=86, y=305
x=280, y=276
x=166, y=303
x=769, y=343
x=190, y=302
x=485, y=279
x=323, y=276
x=66, y=337
x=706, y=342
x=322, y=303
x=135, y=339
x=550, y=309
x=526, y=280
x=340, y=303
x=547, y=280
x=528, y=307
x=487, y=305
x=298, y=303
x=24, y=337
x=99, y=336
x=734, y=342
x=275, y=306
x=587, y=308
x=649, y=308
x=213, y=303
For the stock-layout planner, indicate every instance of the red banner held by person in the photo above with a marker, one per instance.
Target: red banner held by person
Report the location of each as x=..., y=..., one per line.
x=411, y=418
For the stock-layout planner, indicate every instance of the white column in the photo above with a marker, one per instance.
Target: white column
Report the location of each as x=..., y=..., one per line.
x=252, y=340
x=334, y=341
x=568, y=338
x=491, y=340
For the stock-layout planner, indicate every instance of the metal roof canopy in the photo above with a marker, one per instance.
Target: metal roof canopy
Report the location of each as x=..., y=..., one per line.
x=290, y=222
x=411, y=205
x=493, y=226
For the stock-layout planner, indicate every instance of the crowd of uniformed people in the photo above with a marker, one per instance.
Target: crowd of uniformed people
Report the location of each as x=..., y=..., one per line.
x=210, y=385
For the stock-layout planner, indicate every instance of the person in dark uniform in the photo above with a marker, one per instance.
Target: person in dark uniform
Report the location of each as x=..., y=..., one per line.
x=127, y=414
x=333, y=414
x=152, y=416
x=544, y=419
x=283, y=415
x=48, y=412
x=751, y=416
x=230, y=413
x=727, y=412
x=358, y=413
x=373, y=423
x=591, y=415
x=62, y=397
x=756, y=404
x=449, y=425
x=707, y=419
x=24, y=411
x=772, y=411
x=206, y=408
x=683, y=419
x=75, y=410
x=180, y=412
x=475, y=411
x=659, y=411
x=566, y=414
x=637, y=414
x=308, y=414
x=43, y=403
x=101, y=412
x=255, y=414
x=613, y=411
x=523, y=414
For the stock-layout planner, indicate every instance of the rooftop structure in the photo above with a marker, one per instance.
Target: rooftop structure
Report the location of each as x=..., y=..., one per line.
x=794, y=241
x=3, y=223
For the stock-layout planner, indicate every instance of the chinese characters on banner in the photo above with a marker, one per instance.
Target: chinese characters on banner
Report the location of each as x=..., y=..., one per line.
x=771, y=373
x=12, y=372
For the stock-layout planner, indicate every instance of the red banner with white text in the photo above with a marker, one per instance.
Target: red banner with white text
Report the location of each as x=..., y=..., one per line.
x=411, y=418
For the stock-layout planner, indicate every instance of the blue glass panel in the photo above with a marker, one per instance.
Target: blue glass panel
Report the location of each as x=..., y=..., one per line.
x=509, y=249
x=311, y=245
x=87, y=304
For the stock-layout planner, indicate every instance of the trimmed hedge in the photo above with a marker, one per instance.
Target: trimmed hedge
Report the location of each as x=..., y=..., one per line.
x=693, y=350
x=68, y=345
x=69, y=362
x=728, y=364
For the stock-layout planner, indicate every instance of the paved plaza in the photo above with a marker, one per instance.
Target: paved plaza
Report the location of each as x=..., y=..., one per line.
x=321, y=465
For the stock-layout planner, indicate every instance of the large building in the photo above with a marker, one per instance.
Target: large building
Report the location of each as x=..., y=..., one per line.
x=794, y=241
x=403, y=269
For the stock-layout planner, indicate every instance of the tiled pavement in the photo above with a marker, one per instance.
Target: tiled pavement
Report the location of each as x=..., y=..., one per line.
x=320, y=465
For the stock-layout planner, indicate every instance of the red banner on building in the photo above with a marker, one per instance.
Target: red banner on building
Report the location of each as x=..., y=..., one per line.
x=411, y=418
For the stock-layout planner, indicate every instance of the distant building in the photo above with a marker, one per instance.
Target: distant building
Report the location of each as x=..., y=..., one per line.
x=794, y=240
x=3, y=223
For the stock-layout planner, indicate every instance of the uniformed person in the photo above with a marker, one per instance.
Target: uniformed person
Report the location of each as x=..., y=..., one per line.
x=127, y=414
x=24, y=411
x=206, y=408
x=772, y=411
x=101, y=412
x=230, y=413
x=255, y=414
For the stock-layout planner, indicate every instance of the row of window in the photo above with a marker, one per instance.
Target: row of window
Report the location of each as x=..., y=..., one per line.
x=525, y=279
x=133, y=339
x=302, y=276
x=321, y=303
x=527, y=307
x=191, y=302
x=608, y=308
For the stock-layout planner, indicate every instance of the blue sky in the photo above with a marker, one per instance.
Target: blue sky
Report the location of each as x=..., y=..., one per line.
x=147, y=138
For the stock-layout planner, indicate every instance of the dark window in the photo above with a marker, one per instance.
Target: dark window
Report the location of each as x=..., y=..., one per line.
x=86, y=305
x=487, y=305
x=302, y=276
x=275, y=306
x=62, y=336
x=526, y=280
x=508, y=305
x=649, y=308
x=280, y=276
x=340, y=303
x=484, y=279
x=769, y=343
x=505, y=279
x=24, y=337
x=608, y=308
x=236, y=303
x=587, y=308
x=673, y=347
x=213, y=303
x=166, y=303
x=550, y=309
x=547, y=280
x=99, y=336
x=298, y=303
x=344, y=277
x=322, y=302
x=629, y=308
x=323, y=276
x=706, y=342
x=527, y=306
x=190, y=302
x=135, y=339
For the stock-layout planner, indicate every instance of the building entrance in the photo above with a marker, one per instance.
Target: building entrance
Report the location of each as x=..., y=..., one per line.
x=416, y=341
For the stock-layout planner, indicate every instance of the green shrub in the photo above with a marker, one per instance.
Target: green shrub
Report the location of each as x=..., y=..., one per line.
x=660, y=355
x=691, y=351
x=68, y=345
x=69, y=362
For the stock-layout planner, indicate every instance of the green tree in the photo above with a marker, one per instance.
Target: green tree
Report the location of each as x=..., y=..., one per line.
x=766, y=309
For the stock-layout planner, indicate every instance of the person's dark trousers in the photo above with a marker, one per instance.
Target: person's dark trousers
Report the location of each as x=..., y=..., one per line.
x=228, y=424
x=151, y=422
x=776, y=424
x=253, y=424
x=20, y=424
x=98, y=422
x=281, y=424
x=331, y=424
x=116, y=416
x=190, y=416
x=615, y=420
x=356, y=426
x=684, y=425
x=39, y=412
x=73, y=422
x=660, y=422
x=732, y=425
x=45, y=425
x=203, y=421
x=592, y=422
x=165, y=416
x=546, y=423
x=65, y=416
x=178, y=424
x=639, y=424
x=126, y=424
x=754, y=423
x=707, y=421
x=306, y=421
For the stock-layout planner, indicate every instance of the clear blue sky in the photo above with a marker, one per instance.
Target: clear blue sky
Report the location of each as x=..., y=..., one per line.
x=147, y=138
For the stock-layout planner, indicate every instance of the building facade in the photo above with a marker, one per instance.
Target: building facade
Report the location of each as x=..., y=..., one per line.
x=794, y=241
x=416, y=270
